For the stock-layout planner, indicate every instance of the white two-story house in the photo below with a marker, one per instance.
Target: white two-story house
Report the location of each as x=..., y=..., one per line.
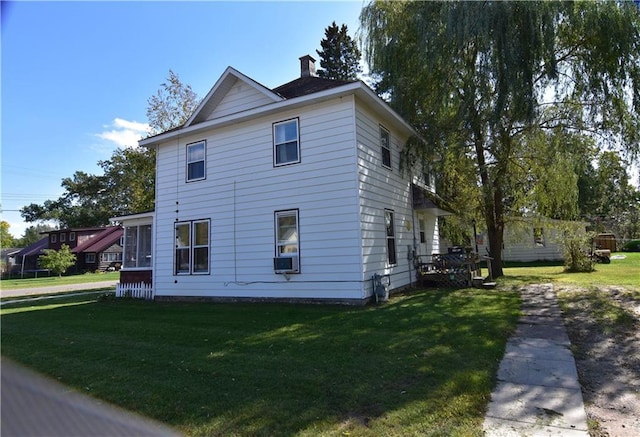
x=293, y=193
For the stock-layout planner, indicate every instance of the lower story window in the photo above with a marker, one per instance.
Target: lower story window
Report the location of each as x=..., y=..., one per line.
x=90, y=258
x=192, y=247
x=111, y=257
x=391, y=237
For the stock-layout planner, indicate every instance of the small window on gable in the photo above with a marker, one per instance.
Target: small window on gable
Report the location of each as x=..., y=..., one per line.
x=53, y=238
x=63, y=238
x=385, y=145
x=286, y=142
x=196, y=154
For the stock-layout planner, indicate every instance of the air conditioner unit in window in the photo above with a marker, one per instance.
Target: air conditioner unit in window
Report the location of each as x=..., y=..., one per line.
x=286, y=264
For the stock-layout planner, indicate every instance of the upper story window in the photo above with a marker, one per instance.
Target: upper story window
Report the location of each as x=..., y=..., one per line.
x=63, y=238
x=385, y=146
x=53, y=238
x=72, y=236
x=286, y=142
x=196, y=154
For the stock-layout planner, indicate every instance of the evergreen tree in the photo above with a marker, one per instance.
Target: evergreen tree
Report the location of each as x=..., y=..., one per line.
x=340, y=55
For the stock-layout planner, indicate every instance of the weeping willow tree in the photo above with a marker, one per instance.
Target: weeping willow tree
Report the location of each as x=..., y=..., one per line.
x=508, y=96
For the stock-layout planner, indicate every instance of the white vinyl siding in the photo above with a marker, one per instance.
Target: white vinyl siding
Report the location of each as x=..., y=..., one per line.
x=240, y=97
x=240, y=196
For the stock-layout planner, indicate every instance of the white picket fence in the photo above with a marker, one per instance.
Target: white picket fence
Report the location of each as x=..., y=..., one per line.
x=138, y=290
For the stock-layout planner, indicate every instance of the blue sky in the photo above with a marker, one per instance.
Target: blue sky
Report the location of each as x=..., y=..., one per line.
x=76, y=76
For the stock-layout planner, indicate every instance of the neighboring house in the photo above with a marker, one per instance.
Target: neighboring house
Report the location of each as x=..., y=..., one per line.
x=96, y=248
x=26, y=260
x=291, y=193
x=7, y=260
x=527, y=240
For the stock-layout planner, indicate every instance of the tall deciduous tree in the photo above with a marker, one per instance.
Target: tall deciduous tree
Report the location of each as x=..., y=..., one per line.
x=171, y=106
x=340, y=56
x=127, y=186
x=128, y=183
x=6, y=239
x=502, y=86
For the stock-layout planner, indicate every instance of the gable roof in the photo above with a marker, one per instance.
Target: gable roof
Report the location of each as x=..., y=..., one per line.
x=107, y=239
x=220, y=89
x=35, y=248
x=100, y=241
x=302, y=95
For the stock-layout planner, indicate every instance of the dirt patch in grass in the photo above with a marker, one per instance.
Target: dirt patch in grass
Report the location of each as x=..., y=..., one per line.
x=603, y=324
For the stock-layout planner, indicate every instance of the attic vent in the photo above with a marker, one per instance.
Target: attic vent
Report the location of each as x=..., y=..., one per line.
x=307, y=66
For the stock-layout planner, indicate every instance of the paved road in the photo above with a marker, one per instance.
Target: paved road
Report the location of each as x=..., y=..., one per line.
x=34, y=405
x=57, y=289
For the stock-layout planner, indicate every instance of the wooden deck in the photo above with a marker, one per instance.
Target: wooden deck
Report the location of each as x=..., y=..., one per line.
x=450, y=270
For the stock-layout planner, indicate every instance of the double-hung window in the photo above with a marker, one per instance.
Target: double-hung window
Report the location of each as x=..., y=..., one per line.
x=287, y=241
x=385, y=147
x=287, y=232
x=391, y=237
x=192, y=247
x=196, y=161
x=286, y=142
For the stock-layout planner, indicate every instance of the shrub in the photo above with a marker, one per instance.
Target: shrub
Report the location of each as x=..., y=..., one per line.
x=576, y=247
x=631, y=246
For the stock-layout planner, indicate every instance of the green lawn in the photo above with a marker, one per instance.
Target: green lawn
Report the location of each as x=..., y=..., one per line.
x=621, y=272
x=422, y=364
x=15, y=284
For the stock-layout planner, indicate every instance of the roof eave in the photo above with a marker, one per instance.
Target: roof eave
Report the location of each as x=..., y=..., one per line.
x=360, y=89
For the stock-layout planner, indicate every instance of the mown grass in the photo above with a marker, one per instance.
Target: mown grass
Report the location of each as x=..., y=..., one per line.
x=422, y=364
x=621, y=272
x=15, y=284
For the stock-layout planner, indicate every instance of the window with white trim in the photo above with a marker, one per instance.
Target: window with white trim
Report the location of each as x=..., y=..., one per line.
x=287, y=232
x=286, y=142
x=63, y=238
x=72, y=236
x=53, y=238
x=385, y=146
x=137, y=246
x=391, y=237
x=196, y=160
x=111, y=257
x=192, y=247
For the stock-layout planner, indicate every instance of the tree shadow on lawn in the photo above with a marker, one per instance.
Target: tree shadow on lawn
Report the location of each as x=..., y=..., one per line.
x=421, y=361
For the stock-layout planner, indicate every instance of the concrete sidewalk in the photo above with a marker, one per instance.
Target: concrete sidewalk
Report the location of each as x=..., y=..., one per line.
x=33, y=405
x=538, y=393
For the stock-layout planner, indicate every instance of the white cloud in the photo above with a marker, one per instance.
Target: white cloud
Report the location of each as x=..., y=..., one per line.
x=124, y=133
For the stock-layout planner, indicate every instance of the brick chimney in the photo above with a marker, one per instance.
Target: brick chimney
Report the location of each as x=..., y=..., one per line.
x=307, y=66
